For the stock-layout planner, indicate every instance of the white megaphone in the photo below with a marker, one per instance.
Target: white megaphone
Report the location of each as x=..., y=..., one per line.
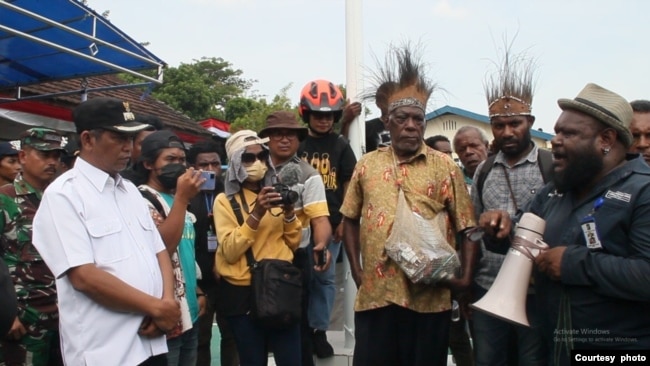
x=506, y=299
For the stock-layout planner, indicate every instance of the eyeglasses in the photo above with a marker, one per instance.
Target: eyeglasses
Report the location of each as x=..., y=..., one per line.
x=278, y=135
x=248, y=158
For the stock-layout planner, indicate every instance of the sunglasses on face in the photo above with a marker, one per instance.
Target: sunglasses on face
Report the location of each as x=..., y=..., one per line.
x=248, y=158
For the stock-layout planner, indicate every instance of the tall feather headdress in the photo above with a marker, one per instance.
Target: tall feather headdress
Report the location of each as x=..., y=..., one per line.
x=402, y=80
x=509, y=91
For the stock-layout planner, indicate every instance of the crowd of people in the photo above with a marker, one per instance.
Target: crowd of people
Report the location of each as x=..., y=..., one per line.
x=117, y=249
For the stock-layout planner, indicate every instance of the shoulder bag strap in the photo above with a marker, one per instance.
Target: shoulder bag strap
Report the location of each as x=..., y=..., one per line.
x=154, y=201
x=236, y=208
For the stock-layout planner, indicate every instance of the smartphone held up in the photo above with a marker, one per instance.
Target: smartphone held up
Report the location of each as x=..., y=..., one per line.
x=210, y=180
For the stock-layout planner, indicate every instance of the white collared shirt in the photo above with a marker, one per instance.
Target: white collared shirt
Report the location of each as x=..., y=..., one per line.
x=86, y=216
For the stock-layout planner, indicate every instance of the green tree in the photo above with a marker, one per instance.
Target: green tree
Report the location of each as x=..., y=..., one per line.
x=200, y=88
x=251, y=113
x=240, y=107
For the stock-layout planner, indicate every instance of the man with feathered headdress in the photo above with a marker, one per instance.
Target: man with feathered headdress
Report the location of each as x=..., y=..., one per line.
x=398, y=322
x=504, y=184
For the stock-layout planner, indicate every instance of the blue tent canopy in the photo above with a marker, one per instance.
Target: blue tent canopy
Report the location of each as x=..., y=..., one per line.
x=48, y=40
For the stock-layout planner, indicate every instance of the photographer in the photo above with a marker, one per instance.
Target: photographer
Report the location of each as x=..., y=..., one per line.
x=285, y=134
x=168, y=189
x=270, y=231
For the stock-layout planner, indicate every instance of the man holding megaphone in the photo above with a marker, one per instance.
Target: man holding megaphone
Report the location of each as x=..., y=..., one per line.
x=593, y=281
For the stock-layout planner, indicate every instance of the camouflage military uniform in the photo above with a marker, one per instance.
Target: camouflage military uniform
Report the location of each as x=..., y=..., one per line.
x=33, y=280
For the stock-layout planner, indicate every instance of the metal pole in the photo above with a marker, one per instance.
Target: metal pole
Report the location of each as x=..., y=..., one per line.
x=91, y=38
x=354, y=87
x=71, y=92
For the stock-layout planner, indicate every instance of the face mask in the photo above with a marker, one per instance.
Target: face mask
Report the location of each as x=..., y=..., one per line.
x=169, y=175
x=256, y=171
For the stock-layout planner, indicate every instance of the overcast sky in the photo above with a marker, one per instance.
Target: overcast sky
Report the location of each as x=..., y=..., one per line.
x=278, y=42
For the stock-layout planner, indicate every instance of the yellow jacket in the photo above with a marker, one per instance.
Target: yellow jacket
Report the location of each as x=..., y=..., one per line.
x=273, y=239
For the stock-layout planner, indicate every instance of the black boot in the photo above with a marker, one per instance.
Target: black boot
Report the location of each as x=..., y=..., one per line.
x=322, y=348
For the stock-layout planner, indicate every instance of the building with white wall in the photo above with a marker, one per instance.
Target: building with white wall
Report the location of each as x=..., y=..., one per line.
x=447, y=120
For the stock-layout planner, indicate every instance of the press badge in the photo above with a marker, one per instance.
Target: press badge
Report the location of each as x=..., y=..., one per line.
x=590, y=233
x=212, y=242
x=588, y=225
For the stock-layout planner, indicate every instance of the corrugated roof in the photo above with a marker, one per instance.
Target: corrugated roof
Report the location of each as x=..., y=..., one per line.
x=139, y=102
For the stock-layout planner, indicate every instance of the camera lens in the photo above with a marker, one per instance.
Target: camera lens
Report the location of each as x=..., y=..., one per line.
x=292, y=197
x=287, y=196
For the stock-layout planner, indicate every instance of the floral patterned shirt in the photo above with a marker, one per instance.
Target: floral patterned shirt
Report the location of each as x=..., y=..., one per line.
x=432, y=183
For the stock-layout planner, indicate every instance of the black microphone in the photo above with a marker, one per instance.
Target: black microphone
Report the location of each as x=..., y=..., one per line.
x=290, y=174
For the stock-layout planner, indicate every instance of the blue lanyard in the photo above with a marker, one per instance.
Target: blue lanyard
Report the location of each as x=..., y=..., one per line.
x=209, y=202
x=597, y=204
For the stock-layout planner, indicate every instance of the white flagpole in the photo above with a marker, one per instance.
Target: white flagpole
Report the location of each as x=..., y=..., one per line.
x=354, y=87
x=354, y=72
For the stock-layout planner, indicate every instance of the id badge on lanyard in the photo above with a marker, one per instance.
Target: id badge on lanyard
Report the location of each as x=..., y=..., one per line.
x=212, y=236
x=589, y=228
x=212, y=241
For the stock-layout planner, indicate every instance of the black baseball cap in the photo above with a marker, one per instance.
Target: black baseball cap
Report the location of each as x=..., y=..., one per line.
x=72, y=147
x=159, y=140
x=7, y=149
x=107, y=113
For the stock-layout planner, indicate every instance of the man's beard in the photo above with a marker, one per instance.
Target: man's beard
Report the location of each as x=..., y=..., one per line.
x=578, y=172
x=521, y=146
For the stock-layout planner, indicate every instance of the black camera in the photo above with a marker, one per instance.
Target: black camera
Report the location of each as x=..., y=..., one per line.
x=287, y=196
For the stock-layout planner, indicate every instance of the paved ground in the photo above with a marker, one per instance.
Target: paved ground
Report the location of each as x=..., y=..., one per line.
x=334, y=337
x=326, y=362
x=214, y=346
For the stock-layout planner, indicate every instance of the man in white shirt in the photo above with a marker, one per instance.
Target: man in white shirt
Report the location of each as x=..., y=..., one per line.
x=114, y=276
